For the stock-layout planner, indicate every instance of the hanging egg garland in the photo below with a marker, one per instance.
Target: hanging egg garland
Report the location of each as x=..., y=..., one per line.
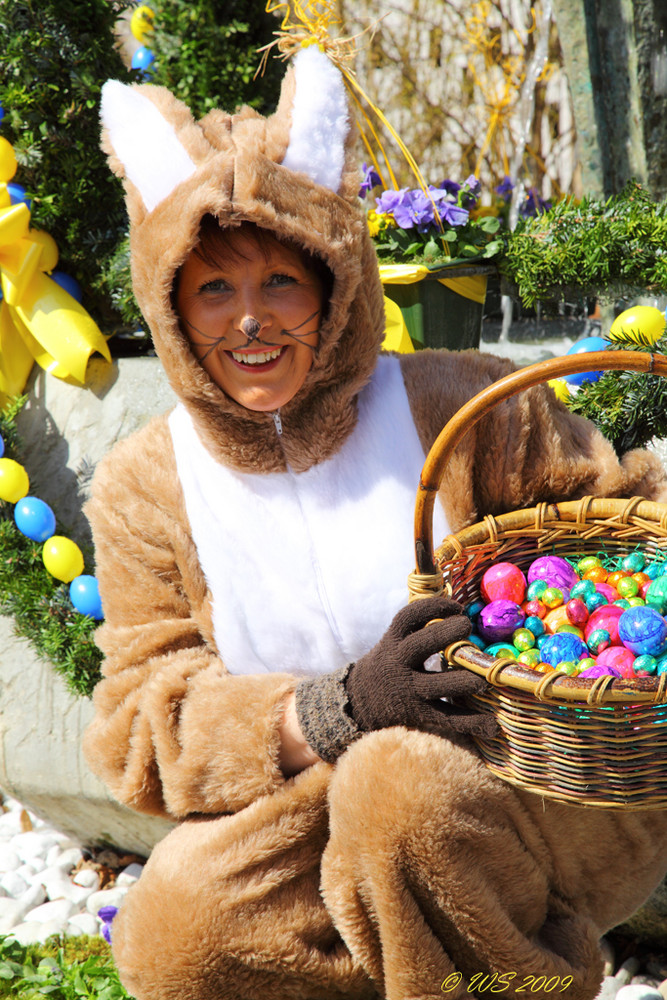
x=61, y=556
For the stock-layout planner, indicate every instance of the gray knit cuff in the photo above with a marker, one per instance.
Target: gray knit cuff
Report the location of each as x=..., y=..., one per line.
x=321, y=704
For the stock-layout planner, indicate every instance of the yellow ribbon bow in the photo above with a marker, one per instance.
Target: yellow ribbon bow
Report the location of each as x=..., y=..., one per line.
x=39, y=320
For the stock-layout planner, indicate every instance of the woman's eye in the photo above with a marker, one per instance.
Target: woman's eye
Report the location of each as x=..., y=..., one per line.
x=216, y=285
x=281, y=279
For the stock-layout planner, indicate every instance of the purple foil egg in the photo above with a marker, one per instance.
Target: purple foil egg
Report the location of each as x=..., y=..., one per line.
x=556, y=571
x=499, y=619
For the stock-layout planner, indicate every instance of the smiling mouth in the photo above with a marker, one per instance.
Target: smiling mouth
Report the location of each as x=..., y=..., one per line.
x=262, y=358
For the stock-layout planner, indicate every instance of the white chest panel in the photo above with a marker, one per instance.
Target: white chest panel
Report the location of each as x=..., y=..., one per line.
x=306, y=570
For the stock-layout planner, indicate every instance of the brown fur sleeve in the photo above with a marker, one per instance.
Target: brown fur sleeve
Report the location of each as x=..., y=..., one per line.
x=528, y=449
x=173, y=732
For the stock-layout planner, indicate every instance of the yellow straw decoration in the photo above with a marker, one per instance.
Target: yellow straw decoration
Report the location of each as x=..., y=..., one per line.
x=309, y=22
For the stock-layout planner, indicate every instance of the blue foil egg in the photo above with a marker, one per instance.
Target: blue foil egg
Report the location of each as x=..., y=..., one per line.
x=563, y=646
x=643, y=630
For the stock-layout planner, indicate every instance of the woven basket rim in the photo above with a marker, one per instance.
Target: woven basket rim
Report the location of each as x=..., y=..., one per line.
x=588, y=516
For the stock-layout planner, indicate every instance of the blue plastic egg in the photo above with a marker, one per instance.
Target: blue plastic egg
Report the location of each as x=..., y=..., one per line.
x=143, y=60
x=643, y=630
x=17, y=194
x=2, y=446
x=34, y=519
x=583, y=346
x=66, y=281
x=85, y=596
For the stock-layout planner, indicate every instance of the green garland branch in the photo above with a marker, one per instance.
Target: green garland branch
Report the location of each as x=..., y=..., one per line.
x=629, y=408
x=596, y=249
x=39, y=604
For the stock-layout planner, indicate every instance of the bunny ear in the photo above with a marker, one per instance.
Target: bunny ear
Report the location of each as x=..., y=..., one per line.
x=146, y=144
x=320, y=119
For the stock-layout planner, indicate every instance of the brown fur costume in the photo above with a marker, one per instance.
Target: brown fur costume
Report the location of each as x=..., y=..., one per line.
x=407, y=863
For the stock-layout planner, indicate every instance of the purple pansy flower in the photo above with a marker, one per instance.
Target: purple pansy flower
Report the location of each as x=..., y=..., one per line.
x=473, y=186
x=453, y=214
x=106, y=915
x=450, y=187
x=505, y=188
x=409, y=208
x=370, y=179
x=533, y=204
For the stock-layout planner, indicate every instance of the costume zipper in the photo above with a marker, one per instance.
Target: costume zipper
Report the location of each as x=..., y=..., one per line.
x=319, y=579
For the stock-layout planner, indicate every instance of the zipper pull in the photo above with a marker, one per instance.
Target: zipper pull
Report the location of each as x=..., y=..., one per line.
x=278, y=422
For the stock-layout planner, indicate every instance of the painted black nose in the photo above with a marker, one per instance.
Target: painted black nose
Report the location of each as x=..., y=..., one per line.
x=250, y=327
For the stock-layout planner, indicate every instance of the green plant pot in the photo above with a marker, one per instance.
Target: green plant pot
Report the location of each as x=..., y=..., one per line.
x=436, y=315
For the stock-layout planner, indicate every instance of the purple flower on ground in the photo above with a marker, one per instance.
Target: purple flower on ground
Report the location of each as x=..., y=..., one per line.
x=505, y=188
x=106, y=915
x=370, y=179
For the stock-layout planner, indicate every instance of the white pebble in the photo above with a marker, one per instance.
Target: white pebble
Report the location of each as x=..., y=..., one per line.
x=12, y=912
x=9, y=859
x=27, y=933
x=58, y=910
x=83, y=923
x=638, y=991
x=34, y=896
x=33, y=844
x=88, y=878
x=27, y=871
x=36, y=932
x=63, y=888
x=130, y=875
x=13, y=884
x=106, y=897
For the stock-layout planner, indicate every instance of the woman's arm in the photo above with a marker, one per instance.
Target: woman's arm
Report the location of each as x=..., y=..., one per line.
x=174, y=732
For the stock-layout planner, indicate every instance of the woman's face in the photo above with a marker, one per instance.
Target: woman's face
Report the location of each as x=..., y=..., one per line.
x=253, y=319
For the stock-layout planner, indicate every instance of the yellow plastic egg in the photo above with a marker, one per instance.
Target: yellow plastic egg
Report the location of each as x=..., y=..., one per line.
x=7, y=161
x=63, y=558
x=645, y=322
x=14, y=482
x=141, y=23
x=48, y=258
x=559, y=386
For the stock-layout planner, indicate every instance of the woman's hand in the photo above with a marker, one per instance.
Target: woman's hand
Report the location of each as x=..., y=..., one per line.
x=389, y=686
x=295, y=753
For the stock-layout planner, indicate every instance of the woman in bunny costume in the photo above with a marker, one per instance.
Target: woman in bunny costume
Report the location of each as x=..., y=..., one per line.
x=264, y=683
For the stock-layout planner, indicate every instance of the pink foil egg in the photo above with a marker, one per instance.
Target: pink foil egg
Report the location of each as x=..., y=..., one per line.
x=609, y=592
x=619, y=658
x=503, y=582
x=605, y=617
x=556, y=571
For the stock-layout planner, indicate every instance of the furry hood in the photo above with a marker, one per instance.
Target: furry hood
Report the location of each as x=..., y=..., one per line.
x=293, y=173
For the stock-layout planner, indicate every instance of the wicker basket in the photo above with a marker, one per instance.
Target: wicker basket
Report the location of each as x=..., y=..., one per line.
x=592, y=742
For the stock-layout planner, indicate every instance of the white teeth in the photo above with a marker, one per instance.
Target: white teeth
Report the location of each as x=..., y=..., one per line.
x=256, y=359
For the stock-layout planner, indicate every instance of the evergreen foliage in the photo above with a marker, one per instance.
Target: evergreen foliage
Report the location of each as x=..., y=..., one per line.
x=55, y=56
x=206, y=53
x=596, y=248
x=62, y=968
x=40, y=604
x=630, y=408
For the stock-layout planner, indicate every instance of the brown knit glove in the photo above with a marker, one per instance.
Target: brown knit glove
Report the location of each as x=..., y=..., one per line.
x=390, y=687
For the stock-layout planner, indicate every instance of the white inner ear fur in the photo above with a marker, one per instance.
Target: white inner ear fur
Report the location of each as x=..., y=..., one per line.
x=320, y=120
x=144, y=142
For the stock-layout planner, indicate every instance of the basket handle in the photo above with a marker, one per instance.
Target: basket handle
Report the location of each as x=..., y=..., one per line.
x=422, y=581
